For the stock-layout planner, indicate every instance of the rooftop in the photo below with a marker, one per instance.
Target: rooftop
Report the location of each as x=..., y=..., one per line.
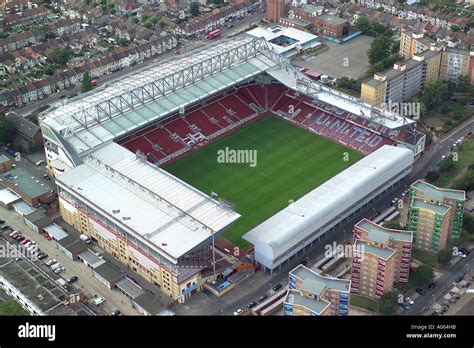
x=419, y=203
x=364, y=247
x=317, y=306
x=26, y=182
x=303, y=273
x=381, y=234
x=333, y=19
x=437, y=193
x=147, y=200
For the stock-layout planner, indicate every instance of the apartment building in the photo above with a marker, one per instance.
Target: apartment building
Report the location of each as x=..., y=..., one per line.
x=403, y=81
x=399, y=240
x=456, y=62
x=452, y=198
x=430, y=223
x=412, y=43
x=313, y=294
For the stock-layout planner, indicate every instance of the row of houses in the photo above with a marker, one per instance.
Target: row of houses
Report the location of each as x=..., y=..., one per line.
x=438, y=19
x=209, y=22
x=25, y=17
x=18, y=41
x=73, y=76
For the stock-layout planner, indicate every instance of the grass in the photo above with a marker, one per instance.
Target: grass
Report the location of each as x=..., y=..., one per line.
x=464, y=153
x=363, y=302
x=290, y=163
x=426, y=258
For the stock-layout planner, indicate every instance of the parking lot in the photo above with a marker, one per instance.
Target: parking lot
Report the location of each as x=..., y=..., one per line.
x=89, y=285
x=349, y=59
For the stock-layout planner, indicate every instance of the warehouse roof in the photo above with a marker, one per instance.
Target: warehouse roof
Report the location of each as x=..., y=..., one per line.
x=26, y=182
x=306, y=217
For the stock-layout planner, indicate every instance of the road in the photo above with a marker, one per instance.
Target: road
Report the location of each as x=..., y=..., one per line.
x=443, y=284
x=185, y=47
x=261, y=283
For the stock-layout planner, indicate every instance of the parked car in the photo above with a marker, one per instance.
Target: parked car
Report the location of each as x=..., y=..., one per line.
x=59, y=270
x=459, y=279
x=72, y=279
x=409, y=300
x=40, y=162
x=46, y=176
x=207, y=292
x=432, y=286
x=98, y=300
x=277, y=287
x=251, y=304
x=420, y=291
x=406, y=305
x=461, y=254
x=19, y=239
x=116, y=312
x=262, y=298
x=25, y=241
x=51, y=262
x=238, y=311
x=2, y=221
x=47, y=236
x=42, y=256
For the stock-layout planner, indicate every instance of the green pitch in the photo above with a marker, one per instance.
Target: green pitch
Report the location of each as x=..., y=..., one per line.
x=290, y=163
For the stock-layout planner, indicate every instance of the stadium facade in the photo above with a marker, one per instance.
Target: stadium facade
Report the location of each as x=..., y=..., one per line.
x=105, y=148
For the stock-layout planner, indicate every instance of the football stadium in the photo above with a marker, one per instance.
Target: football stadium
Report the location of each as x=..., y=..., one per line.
x=138, y=167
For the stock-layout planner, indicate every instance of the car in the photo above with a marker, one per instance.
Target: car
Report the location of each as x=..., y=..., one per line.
x=465, y=251
x=59, y=270
x=2, y=221
x=72, y=279
x=461, y=254
x=459, y=279
x=42, y=256
x=20, y=239
x=46, y=176
x=207, y=292
x=238, y=311
x=116, y=312
x=262, y=298
x=409, y=300
x=277, y=287
x=251, y=304
x=98, y=300
x=443, y=157
x=28, y=244
x=420, y=291
x=12, y=233
x=26, y=241
x=6, y=227
x=51, y=262
x=55, y=266
x=432, y=286
x=47, y=236
x=177, y=52
x=40, y=162
x=406, y=305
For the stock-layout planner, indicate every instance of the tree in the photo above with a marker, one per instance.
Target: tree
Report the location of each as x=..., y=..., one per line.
x=462, y=84
x=468, y=223
x=148, y=24
x=86, y=83
x=11, y=308
x=444, y=256
x=154, y=20
x=379, y=50
x=125, y=16
x=455, y=27
x=3, y=35
x=135, y=20
x=194, y=9
x=5, y=131
x=422, y=275
x=432, y=176
x=395, y=47
x=436, y=92
x=447, y=165
x=61, y=56
x=163, y=25
x=388, y=302
x=362, y=23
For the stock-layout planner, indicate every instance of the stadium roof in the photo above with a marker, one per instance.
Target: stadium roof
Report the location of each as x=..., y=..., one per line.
x=116, y=108
x=160, y=208
x=437, y=193
x=301, y=220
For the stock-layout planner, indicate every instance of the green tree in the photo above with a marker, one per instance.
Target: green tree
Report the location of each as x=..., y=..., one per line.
x=444, y=256
x=379, y=50
x=86, y=83
x=362, y=23
x=61, y=55
x=11, y=308
x=447, y=165
x=125, y=16
x=3, y=35
x=148, y=24
x=144, y=17
x=462, y=84
x=468, y=223
x=5, y=131
x=455, y=27
x=436, y=92
x=387, y=303
x=422, y=275
x=194, y=9
x=163, y=25
x=135, y=20
x=432, y=176
x=154, y=20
